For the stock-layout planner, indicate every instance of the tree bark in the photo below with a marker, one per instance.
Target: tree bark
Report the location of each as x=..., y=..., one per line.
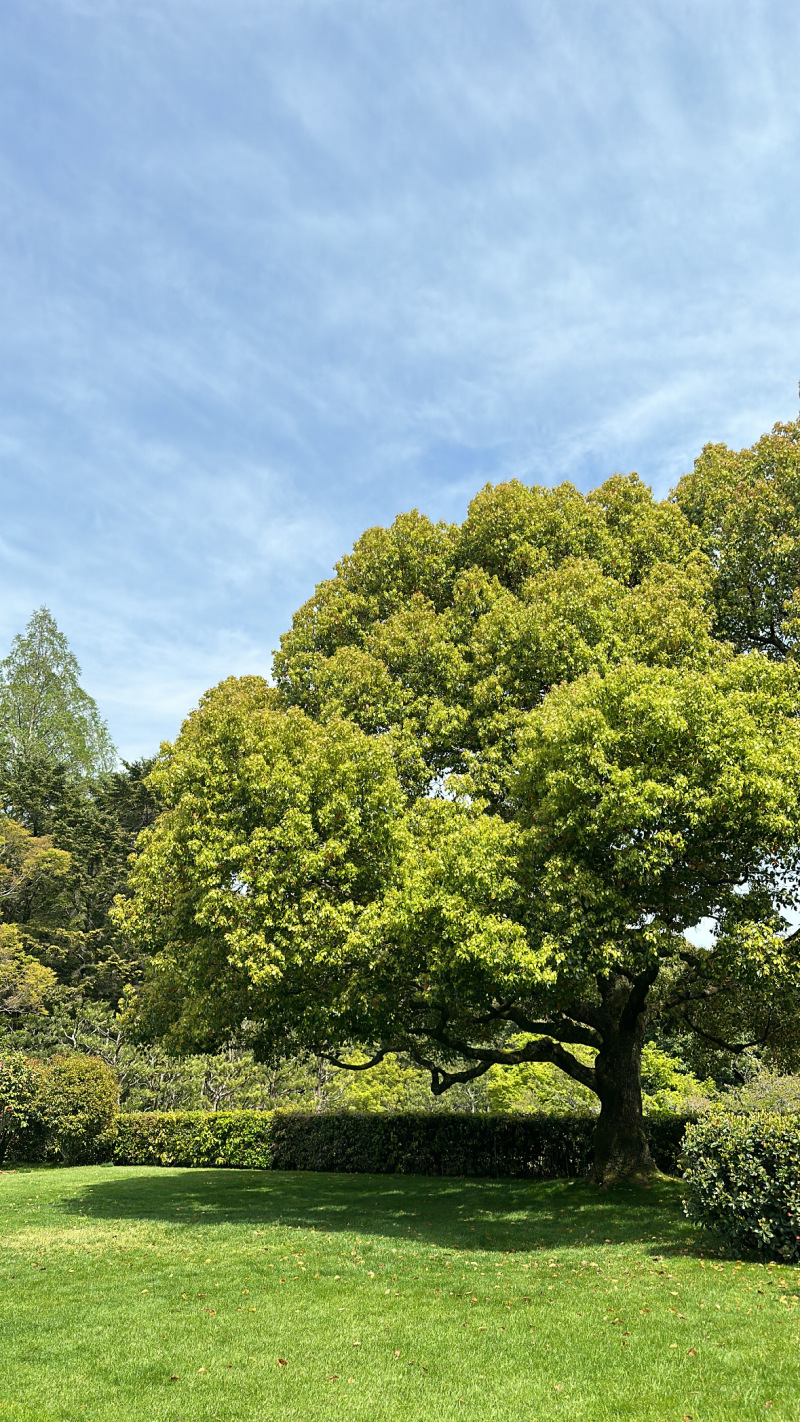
x=621, y=1152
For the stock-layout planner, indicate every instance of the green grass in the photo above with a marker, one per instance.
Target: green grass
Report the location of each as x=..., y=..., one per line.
x=171, y=1295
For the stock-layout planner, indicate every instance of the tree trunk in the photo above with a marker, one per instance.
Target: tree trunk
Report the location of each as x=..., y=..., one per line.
x=621, y=1152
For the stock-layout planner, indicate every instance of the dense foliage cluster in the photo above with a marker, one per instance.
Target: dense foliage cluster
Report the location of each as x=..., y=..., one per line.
x=743, y=1174
x=63, y=1109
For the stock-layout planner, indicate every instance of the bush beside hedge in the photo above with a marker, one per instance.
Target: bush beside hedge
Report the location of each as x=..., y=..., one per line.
x=743, y=1174
x=77, y=1106
x=543, y=1147
x=60, y=1109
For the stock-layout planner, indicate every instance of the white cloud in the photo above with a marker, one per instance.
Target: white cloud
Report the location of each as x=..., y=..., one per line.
x=273, y=273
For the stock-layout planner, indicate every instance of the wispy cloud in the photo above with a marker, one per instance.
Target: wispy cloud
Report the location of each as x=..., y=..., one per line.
x=273, y=273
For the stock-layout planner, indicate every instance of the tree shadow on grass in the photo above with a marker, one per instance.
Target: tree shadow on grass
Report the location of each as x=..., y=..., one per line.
x=468, y=1214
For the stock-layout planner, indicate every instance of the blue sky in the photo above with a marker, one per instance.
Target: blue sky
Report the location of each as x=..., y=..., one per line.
x=272, y=271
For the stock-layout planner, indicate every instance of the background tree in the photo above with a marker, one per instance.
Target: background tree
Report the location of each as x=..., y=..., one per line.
x=68, y=819
x=44, y=711
x=745, y=505
x=507, y=767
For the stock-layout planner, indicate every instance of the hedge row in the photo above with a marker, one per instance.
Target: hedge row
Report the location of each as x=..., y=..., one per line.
x=242, y=1139
x=743, y=1174
x=543, y=1147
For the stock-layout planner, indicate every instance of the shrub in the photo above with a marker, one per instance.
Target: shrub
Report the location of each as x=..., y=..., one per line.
x=542, y=1147
x=78, y=1100
x=20, y=1115
x=743, y=1174
x=233, y=1138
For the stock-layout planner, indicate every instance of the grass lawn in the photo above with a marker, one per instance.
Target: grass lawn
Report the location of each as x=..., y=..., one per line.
x=186, y=1295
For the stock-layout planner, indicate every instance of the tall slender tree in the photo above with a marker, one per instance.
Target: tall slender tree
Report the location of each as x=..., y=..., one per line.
x=44, y=711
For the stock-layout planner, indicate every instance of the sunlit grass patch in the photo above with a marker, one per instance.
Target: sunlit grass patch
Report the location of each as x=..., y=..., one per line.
x=180, y=1295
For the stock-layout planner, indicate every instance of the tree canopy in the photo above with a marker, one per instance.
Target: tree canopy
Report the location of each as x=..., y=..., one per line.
x=505, y=772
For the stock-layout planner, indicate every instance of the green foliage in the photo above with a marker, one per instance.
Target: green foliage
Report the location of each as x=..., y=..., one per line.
x=34, y=876
x=78, y=1102
x=668, y=1086
x=433, y=1144
x=230, y=1138
x=68, y=820
x=20, y=1090
x=63, y=861
x=283, y=829
x=743, y=1174
x=773, y=1093
x=745, y=506
x=25, y=985
x=44, y=710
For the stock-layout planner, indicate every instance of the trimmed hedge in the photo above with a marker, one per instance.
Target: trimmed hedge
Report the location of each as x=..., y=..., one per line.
x=542, y=1147
x=743, y=1174
x=241, y=1139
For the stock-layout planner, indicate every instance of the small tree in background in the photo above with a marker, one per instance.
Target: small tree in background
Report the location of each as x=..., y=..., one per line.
x=44, y=711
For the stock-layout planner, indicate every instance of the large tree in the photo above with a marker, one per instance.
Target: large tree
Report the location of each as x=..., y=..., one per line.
x=506, y=769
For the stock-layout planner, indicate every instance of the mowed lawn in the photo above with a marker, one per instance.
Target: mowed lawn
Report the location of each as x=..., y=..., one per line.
x=195, y=1294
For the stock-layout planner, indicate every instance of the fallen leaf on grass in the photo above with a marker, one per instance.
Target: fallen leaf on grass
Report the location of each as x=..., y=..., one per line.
x=175, y=1378
x=397, y=1352
x=282, y=1363
x=692, y=1353
x=334, y=1377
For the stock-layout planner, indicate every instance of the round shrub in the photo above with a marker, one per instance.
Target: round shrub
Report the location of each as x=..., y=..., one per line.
x=79, y=1099
x=743, y=1174
x=20, y=1113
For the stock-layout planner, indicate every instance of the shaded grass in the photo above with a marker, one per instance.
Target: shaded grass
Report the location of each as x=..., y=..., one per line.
x=171, y=1295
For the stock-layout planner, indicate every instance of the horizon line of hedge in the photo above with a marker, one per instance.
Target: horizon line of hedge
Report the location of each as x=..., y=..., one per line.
x=536, y=1147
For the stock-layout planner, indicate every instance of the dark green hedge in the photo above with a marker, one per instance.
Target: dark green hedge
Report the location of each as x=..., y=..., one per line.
x=743, y=1174
x=543, y=1147
x=425, y=1144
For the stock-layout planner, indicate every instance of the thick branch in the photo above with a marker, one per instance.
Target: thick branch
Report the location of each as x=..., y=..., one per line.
x=355, y=1066
x=634, y=1007
x=728, y=1046
x=569, y=1031
x=544, y=1050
